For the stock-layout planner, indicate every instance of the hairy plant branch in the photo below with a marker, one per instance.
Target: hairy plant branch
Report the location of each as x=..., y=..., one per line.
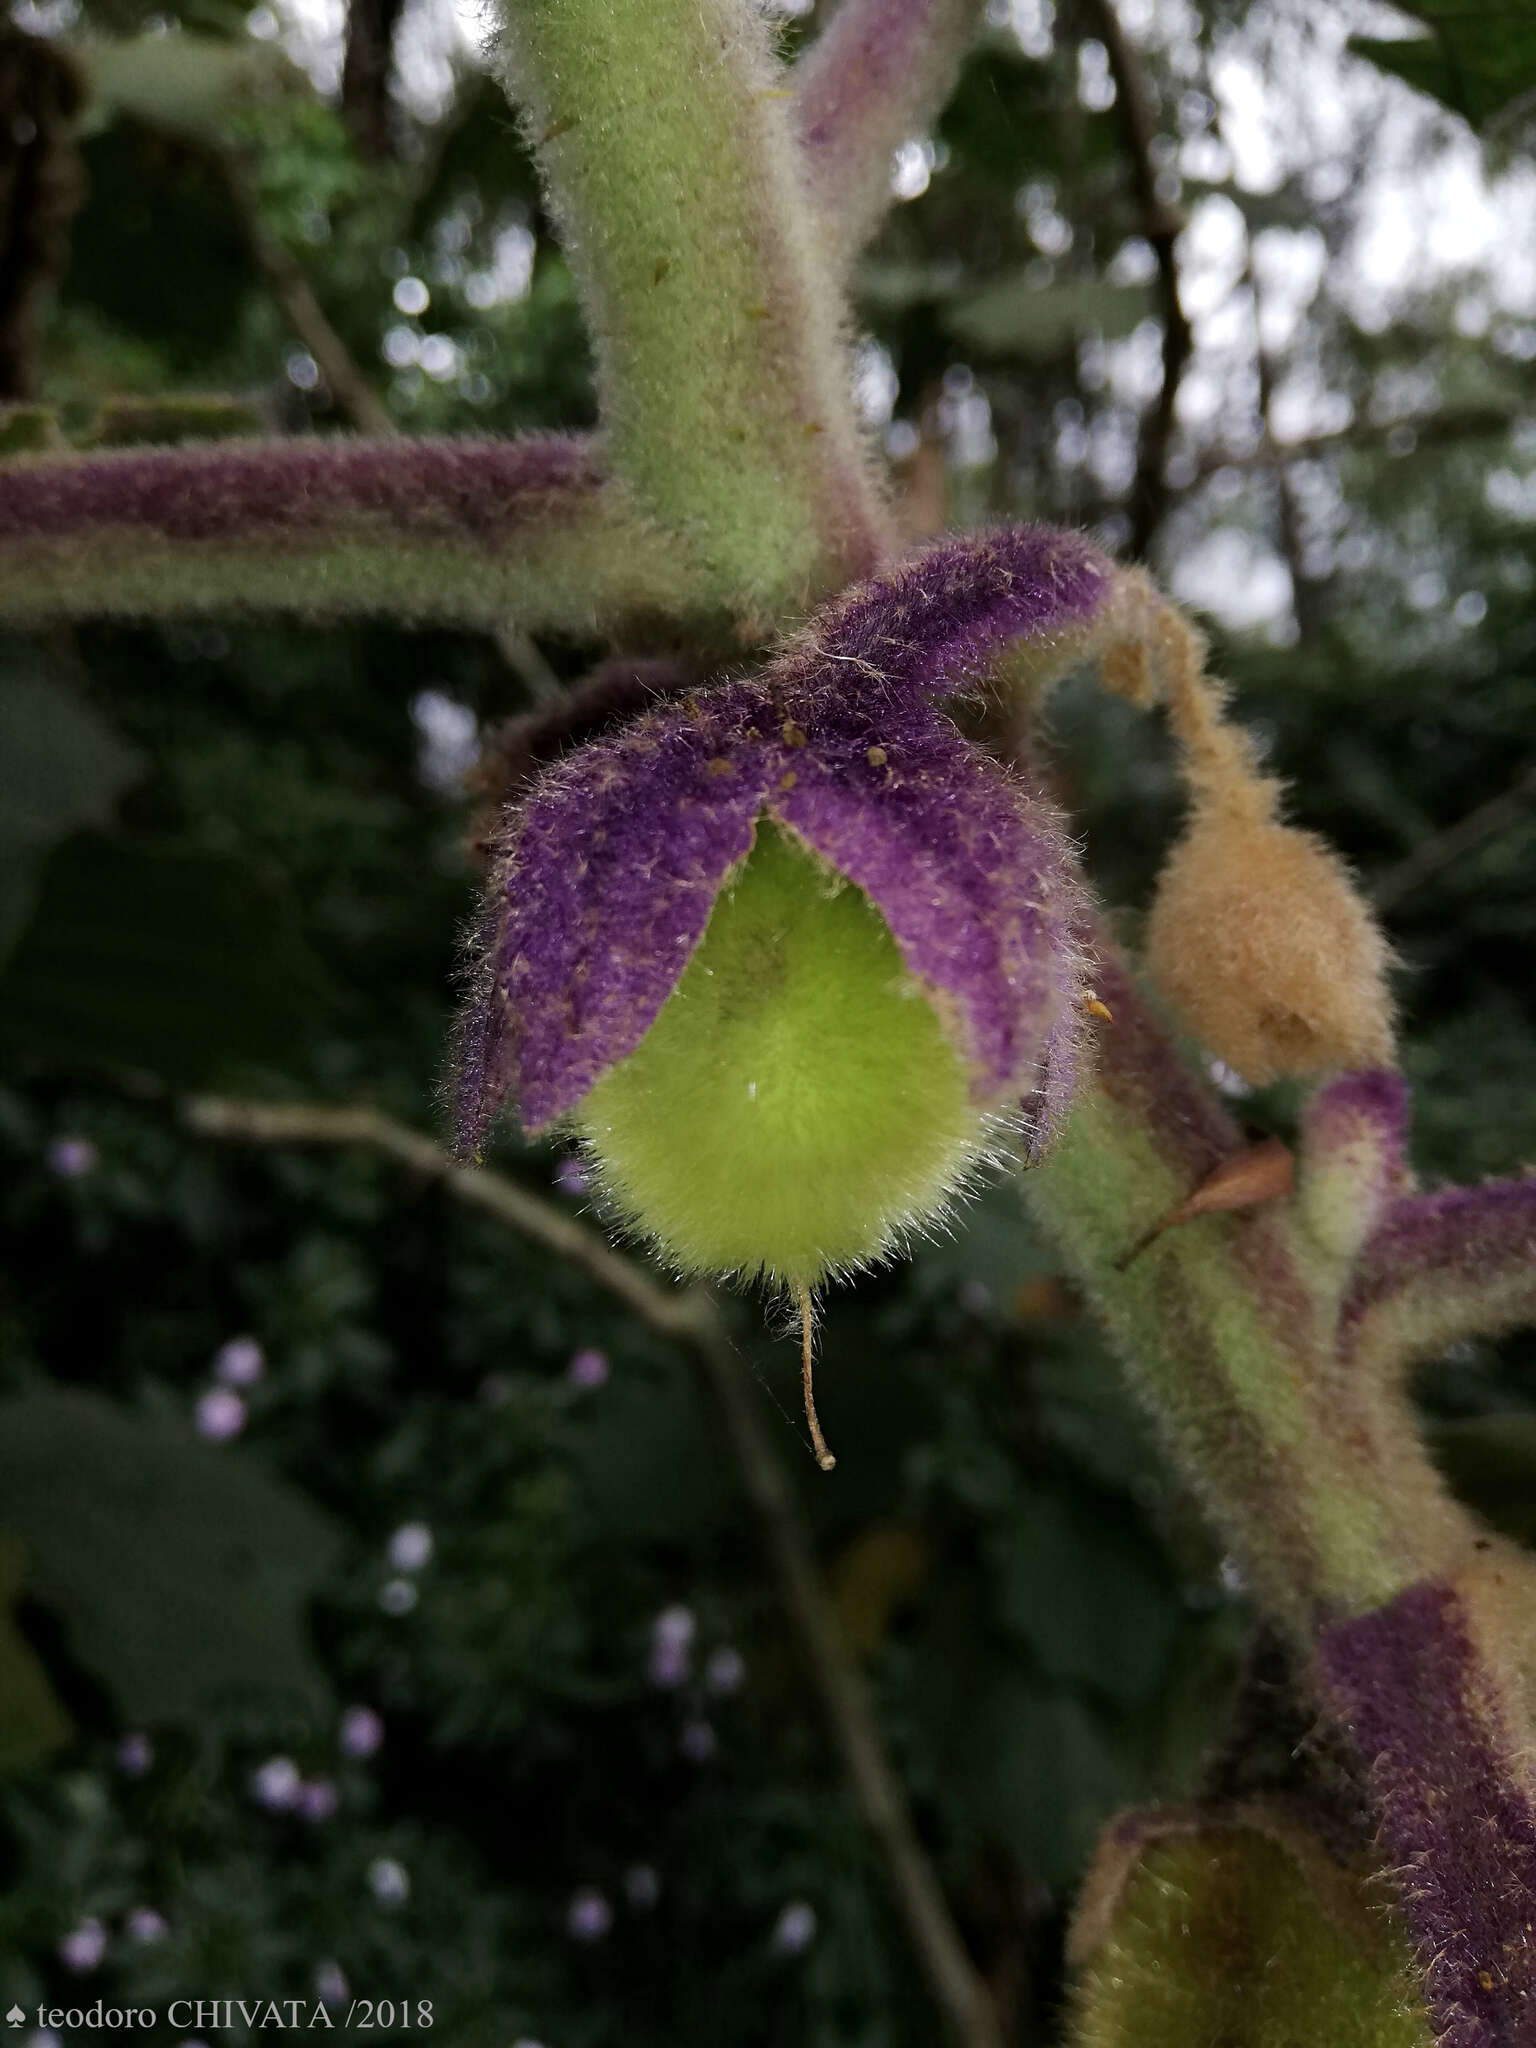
x=667, y=150
x=463, y=531
x=874, y=78
x=692, y=1320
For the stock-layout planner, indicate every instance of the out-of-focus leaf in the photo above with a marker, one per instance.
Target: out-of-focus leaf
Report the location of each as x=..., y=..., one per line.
x=1490, y=1460
x=1014, y=317
x=877, y=1575
x=1082, y=1586
x=651, y=1469
x=1478, y=61
x=175, y=963
x=1034, y=1768
x=182, y=84
x=127, y=422
x=32, y=1723
x=180, y=1571
x=61, y=767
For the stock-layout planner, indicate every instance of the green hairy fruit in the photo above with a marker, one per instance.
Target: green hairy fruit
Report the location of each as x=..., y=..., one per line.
x=796, y=1108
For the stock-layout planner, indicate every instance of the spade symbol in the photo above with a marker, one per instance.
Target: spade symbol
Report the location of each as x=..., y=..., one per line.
x=15, y=2015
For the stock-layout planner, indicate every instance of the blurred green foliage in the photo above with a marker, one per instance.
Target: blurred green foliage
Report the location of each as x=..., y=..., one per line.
x=227, y=867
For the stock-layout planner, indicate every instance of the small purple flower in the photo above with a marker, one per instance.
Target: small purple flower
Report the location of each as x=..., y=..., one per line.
x=589, y=1915
x=410, y=1548
x=361, y=1733
x=697, y=1741
x=83, y=1947
x=672, y=1634
x=398, y=1597
x=795, y=1929
x=642, y=1887
x=331, y=1986
x=220, y=1415
x=317, y=1800
x=725, y=1672
x=276, y=1784
x=239, y=1363
x=145, y=1925
x=72, y=1158
x=588, y=1369
x=608, y=873
x=135, y=1755
x=389, y=1881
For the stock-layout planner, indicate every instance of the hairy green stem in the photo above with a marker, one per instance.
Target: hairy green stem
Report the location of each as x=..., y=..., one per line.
x=663, y=132
x=1315, y=1477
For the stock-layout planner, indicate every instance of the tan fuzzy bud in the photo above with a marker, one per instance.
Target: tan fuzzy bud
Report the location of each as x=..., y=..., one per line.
x=1260, y=939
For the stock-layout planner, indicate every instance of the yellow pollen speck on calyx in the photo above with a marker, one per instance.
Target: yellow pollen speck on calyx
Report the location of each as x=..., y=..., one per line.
x=793, y=735
x=719, y=766
x=876, y=757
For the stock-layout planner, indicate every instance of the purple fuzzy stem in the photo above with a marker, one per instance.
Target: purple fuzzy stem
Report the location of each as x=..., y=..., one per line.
x=474, y=490
x=1455, y=1264
x=1456, y=1828
x=874, y=78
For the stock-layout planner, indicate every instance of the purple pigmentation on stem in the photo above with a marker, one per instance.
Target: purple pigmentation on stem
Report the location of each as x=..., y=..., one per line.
x=607, y=875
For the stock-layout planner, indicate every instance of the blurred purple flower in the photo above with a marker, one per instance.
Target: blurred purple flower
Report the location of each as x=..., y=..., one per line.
x=571, y=1175
x=642, y=1887
x=135, y=1755
x=71, y=1158
x=725, y=1671
x=672, y=1635
x=362, y=1732
x=697, y=1742
x=84, y=1946
x=389, y=1881
x=144, y=1924
x=239, y=1363
x=317, y=1799
x=220, y=1415
x=795, y=1929
x=331, y=1986
x=589, y=1915
x=588, y=1369
x=398, y=1596
x=410, y=1547
x=275, y=1784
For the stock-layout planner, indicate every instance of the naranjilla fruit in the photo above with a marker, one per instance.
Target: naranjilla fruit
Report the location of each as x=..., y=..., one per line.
x=789, y=950
x=796, y=1107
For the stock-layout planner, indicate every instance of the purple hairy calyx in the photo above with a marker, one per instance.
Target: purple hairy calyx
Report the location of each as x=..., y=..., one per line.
x=790, y=951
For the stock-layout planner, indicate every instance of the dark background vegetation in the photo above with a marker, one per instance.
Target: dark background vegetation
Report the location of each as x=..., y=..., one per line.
x=234, y=857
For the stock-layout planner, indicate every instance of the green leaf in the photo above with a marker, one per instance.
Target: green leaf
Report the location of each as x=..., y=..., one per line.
x=1081, y=1584
x=32, y=1723
x=61, y=767
x=1014, y=317
x=182, y=84
x=1476, y=60
x=175, y=963
x=180, y=1571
